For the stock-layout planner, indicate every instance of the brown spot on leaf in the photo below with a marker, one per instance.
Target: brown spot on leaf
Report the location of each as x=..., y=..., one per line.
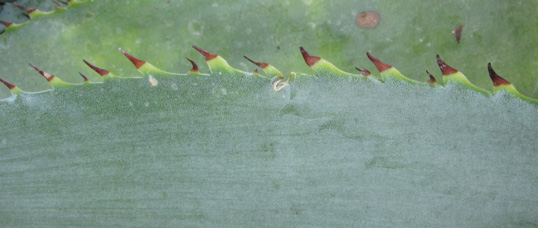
x=368, y=19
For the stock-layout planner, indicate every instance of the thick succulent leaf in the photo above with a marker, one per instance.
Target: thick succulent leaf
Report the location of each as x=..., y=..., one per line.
x=407, y=36
x=226, y=150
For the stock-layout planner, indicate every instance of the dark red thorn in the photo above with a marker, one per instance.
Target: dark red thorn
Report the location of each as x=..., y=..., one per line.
x=84, y=76
x=137, y=62
x=445, y=69
x=381, y=66
x=6, y=23
x=27, y=9
x=194, y=66
x=259, y=64
x=432, y=79
x=309, y=59
x=48, y=76
x=457, y=33
x=208, y=55
x=9, y=85
x=256, y=71
x=495, y=78
x=100, y=71
x=68, y=1
x=365, y=72
x=60, y=6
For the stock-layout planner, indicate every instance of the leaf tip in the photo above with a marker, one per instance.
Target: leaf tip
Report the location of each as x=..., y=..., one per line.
x=9, y=85
x=259, y=64
x=136, y=62
x=84, y=76
x=47, y=76
x=364, y=72
x=194, y=66
x=432, y=79
x=309, y=59
x=100, y=71
x=58, y=5
x=28, y=10
x=208, y=55
x=445, y=69
x=381, y=66
x=6, y=23
x=495, y=78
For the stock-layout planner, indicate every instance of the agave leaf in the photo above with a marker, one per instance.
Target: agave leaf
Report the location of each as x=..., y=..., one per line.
x=407, y=37
x=204, y=151
x=226, y=150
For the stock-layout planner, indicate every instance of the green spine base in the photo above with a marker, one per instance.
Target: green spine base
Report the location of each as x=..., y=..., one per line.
x=459, y=78
x=395, y=74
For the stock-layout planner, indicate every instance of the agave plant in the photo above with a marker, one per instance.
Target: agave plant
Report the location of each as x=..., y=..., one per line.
x=299, y=118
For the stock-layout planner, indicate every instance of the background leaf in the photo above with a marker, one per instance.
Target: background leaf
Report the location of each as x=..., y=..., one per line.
x=407, y=37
